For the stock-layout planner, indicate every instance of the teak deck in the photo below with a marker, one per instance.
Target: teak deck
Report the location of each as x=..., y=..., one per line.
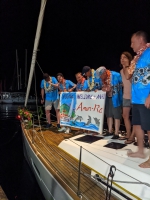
x=64, y=165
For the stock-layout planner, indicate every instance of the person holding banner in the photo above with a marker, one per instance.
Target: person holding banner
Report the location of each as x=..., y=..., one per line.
x=82, y=85
x=112, y=85
x=49, y=87
x=65, y=86
x=94, y=83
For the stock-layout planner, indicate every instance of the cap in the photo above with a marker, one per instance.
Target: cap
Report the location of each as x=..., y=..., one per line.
x=100, y=71
x=85, y=69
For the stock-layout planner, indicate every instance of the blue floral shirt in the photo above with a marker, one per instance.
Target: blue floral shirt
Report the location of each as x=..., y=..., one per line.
x=97, y=83
x=116, y=83
x=141, y=79
x=82, y=87
x=66, y=86
x=51, y=95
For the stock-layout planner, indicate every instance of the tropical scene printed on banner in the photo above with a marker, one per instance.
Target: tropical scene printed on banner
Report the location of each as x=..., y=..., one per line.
x=83, y=110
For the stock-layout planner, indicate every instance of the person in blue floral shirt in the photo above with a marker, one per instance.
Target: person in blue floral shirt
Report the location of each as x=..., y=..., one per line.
x=82, y=84
x=139, y=70
x=49, y=94
x=65, y=86
x=112, y=85
x=94, y=83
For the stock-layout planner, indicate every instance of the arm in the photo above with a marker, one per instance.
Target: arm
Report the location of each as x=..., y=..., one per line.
x=71, y=84
x=42, y=95
x=125, y=71
x=54, y=83
x=71, y=89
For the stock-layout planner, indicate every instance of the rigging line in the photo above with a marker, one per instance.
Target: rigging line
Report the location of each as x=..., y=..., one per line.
x=37, y=105
x=128, y=182
x=105, y=162
x=39, y=67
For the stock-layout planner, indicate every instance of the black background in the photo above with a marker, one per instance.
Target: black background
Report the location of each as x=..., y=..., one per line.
x=74, y=33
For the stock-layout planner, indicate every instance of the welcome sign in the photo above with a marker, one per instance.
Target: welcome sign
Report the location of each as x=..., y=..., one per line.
x=83, y=110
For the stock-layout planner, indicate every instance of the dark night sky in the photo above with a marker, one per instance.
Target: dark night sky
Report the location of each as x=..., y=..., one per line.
x=75, y=33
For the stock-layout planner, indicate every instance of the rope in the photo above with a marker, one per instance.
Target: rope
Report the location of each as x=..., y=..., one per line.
x=39, y=67
x=37, y=106
x=110, y=178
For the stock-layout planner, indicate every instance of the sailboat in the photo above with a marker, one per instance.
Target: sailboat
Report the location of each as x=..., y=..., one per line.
x=71, y=166
x=16, y=97
x=67, y=118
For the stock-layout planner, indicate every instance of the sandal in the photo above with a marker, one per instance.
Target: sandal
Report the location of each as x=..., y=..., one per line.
x=79, y=132
x=123, y=138
x=107, y=134
x=129, y=141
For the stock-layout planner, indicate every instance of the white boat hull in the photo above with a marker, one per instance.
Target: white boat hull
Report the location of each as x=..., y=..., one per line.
x=50, y=187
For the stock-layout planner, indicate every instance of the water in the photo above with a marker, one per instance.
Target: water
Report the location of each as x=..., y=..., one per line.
x=16, y=178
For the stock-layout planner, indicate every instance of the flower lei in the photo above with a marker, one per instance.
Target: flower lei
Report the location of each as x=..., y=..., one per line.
x=135, y=59
x=49, y=88
x=91, y=84
x=107, y=82
x=63, y=89
x=80, y=85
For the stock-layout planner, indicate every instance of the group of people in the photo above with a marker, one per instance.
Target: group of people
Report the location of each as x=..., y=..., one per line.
x=129, y=89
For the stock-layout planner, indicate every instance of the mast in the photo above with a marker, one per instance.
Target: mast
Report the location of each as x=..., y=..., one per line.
x=17, y=68
x=36, y=43
x=25, y=68
x=20, y=80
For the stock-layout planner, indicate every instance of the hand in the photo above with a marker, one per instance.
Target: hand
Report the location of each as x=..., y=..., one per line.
x=95, y=90
x=147, y=102
x=42, y=101
x=106, y=89
x=70, y=90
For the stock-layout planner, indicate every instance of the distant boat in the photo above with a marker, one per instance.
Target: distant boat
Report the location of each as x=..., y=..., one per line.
x=15, y=98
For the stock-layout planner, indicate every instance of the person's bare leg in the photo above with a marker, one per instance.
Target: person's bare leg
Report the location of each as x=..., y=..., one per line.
x=117, y=126
x=126, y=114
x=48, y=116
x=110, y=124
x=140, y=137
x=131, y=138
x=147, y=163
x=58, y=116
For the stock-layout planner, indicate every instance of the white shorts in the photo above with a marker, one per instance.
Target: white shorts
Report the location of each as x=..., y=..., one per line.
x=49, y=104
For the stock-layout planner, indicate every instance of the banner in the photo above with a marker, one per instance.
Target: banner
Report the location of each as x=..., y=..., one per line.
x=83, y=110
